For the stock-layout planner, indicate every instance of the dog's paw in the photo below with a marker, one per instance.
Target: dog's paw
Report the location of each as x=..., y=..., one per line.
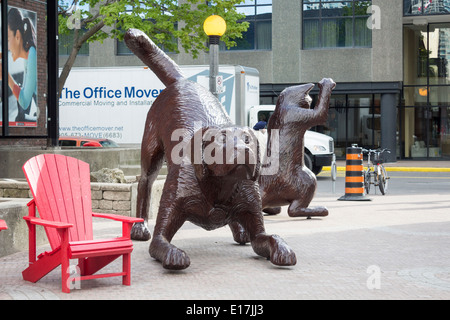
x=176, y=259
x=308, y=212
x=319, y=211
x=272, y=211
x=280, y=253
x=241, y=237
x=140, y=232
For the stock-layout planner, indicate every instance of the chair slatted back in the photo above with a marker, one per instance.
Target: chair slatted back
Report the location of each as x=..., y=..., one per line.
x=62, y=191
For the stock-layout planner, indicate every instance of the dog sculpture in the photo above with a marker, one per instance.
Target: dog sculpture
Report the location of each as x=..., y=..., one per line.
x=285, y=180
x=294, y=184
x=207, y=193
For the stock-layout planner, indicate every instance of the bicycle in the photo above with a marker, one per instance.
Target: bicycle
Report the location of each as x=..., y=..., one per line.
x=376, y=170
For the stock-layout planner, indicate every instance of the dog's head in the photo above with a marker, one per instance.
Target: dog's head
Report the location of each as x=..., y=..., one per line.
x=289, y=101
x=296, y=96
x=228, y=152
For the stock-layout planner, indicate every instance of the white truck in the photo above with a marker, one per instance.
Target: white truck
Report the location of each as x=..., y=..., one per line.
x=113, y=102
x=319, y=148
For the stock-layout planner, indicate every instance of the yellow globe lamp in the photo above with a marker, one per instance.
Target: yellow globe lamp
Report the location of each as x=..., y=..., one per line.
x=215, y=26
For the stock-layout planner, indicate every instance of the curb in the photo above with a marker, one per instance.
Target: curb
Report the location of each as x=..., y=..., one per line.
x=417, y=169
x=400, y=169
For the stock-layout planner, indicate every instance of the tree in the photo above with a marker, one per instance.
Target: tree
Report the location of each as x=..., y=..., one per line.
x=169, y=23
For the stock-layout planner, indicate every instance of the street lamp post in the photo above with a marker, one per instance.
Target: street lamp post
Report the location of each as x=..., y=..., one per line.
x=214, y=27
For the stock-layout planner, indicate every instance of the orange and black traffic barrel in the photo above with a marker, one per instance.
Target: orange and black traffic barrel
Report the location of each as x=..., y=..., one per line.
x=354, y=175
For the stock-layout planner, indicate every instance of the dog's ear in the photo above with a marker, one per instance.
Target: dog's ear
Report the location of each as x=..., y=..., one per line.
x=201, y=171
x=255, y=140
x=197, y=154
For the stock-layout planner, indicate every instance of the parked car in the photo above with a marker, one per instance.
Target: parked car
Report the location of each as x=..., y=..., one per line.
x=75, y=141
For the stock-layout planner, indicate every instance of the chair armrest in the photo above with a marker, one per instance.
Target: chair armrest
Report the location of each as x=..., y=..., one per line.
x=47, y=223
x=117, y=217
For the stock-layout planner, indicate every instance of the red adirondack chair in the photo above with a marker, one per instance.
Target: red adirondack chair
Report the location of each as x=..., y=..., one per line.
x=62, y=194
x=3, y=225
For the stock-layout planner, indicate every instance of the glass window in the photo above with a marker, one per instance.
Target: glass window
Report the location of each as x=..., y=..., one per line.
x=426, y=92
x=65, y=43
x=311, y=33
x=353, y=119
x=335, y=24
x=427, y=55
x=336, y=126
x=263, y=120
x=439, y=96
x=67, y=143
x=363, y=124
x=429, y=135
x=426, y=60
x=259, y=34
x=415, y=55
x=444, y=130
x=122, y=49
x=425, y=7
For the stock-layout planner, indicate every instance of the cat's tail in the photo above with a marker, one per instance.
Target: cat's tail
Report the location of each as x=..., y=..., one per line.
x=161, y=64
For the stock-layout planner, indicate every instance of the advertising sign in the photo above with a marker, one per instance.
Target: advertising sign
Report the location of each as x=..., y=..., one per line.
x=22, y=68
x=113, y=102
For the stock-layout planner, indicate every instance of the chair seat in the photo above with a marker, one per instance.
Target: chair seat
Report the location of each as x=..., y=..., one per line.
x=61, y=191
x=104, y=247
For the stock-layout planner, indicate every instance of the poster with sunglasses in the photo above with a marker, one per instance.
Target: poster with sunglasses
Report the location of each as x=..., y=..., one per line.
x=22, y=68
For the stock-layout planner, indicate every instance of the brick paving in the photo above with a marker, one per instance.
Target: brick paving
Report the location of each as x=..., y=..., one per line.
x=393, y=247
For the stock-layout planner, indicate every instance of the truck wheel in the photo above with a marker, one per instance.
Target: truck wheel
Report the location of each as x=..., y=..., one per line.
x=308, y=161
x=317, y=169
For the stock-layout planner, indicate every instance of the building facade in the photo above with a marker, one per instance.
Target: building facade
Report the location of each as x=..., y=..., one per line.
x=389, y=58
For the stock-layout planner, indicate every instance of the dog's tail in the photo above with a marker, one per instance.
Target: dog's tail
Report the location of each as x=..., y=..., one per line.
x=162, y=65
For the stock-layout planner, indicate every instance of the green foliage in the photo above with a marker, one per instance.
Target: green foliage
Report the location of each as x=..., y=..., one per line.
x=165, y=21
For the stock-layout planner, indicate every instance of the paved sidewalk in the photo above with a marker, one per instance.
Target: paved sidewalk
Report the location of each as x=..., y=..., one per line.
x=393, y=247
